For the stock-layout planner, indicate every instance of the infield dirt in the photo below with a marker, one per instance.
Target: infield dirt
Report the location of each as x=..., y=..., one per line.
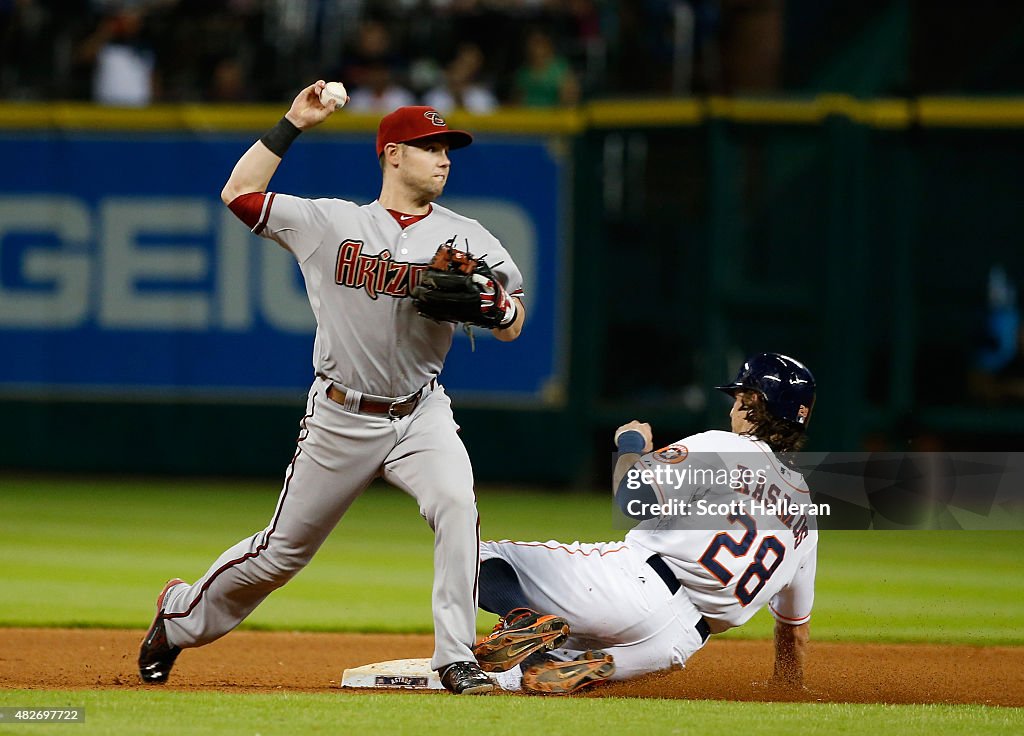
x=247, y=661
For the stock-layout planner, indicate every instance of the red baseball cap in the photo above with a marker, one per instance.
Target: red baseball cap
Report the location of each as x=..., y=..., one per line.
x=415, y=123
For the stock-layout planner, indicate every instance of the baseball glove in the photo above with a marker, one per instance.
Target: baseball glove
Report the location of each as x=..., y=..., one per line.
x=458, y=287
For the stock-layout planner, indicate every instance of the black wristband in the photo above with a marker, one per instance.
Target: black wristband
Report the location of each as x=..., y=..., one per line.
x=278, y=138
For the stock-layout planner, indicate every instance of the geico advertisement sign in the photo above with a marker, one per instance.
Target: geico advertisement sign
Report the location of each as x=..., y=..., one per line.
x=181, y=264
x=167, y=264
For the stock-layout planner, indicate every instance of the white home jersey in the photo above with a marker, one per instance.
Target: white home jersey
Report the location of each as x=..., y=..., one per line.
x=735, y=526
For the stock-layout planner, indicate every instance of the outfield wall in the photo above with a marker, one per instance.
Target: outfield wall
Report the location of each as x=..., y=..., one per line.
x=143, y=330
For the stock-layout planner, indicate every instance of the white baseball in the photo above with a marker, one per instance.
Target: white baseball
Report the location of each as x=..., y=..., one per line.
x=334, y=91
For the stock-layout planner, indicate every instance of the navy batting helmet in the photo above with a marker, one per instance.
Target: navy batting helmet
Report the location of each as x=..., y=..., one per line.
x=786, y=385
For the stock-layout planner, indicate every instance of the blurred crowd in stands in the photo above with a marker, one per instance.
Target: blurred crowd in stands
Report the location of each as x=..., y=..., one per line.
x=473, y=54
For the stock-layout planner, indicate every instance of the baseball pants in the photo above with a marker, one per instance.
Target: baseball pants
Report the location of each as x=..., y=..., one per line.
x=339, y=453
x=612, y=600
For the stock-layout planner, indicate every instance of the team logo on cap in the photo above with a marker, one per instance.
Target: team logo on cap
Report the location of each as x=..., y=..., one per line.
x=435, y=117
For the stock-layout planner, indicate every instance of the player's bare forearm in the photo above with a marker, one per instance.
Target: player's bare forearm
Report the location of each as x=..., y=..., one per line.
x=256, y=167
x=510, y=333
x=252, y=173
x=790, y=653
x=624, y=462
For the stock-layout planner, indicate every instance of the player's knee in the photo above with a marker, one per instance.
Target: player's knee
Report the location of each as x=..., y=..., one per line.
x=283, y=565
x=452, y=502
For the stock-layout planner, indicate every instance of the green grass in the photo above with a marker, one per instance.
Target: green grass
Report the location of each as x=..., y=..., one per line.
x=926, y=586
x=95, y=552
x=146, y=713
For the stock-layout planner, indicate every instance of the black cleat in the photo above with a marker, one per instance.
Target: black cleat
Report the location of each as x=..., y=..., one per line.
x=157, y=655
x=465, y=678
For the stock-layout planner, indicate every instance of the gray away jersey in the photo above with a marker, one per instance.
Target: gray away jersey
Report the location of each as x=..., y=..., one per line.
x=359, y=266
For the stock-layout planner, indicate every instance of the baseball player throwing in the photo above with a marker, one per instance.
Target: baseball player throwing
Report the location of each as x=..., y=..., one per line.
x=719, y=540
x=375, y=408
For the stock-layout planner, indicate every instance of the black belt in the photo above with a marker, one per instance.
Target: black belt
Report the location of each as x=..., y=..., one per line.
x=672, y=583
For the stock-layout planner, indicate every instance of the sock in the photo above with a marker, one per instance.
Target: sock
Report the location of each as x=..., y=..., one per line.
x=500, y=589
